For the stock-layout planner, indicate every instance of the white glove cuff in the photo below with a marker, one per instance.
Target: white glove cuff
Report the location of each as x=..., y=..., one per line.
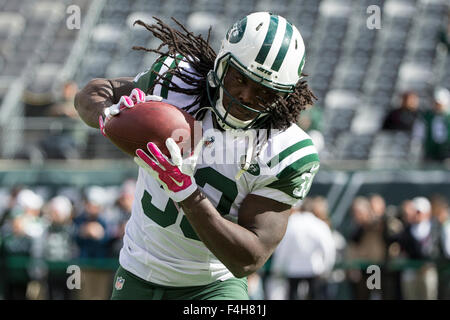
x=184, y=194
x=107, y=112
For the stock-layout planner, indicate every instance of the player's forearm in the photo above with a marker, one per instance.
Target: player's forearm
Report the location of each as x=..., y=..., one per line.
x=99, y=94
x=238, y=248
x=93, y=99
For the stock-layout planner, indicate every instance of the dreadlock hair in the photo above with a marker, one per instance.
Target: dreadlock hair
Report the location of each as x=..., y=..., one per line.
x=201, y=57
x=195, y=49
x=286, y=110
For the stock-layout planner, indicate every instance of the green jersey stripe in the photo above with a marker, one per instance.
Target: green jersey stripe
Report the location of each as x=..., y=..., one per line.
x=268, y=40
x=284, y=48
x=298, y=165
x=168, y=77
x=155, y=71
x=288, y=151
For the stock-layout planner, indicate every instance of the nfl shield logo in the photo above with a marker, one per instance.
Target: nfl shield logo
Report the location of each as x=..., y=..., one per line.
x=119, y=283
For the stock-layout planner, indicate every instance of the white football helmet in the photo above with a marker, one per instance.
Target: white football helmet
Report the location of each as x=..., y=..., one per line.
x=267, y=49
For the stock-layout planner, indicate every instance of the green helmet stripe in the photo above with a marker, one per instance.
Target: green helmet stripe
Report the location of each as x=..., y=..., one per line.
x=268, y=40
x=302, y=63
x=284, y=48
x=168, y=77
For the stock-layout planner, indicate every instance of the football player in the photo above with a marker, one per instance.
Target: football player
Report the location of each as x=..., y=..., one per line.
x=196, y=232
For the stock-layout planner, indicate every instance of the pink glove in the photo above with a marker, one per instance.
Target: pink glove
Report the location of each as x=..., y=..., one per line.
x=168, y=172
x=136, y=96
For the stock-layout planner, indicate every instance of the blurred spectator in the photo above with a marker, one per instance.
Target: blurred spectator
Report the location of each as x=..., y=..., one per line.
x=319, y=207
x=437, y=127
x=310, y=121
x=59, y=246
x=408, y=212
x=91, y=235
x=366, y=239
x=93, y=242
x=367, y=242
x=119, y=214
x=378, y=206
x=305, y=255
x=38, y=104
x=404, y=117
x=420, y=240
x=22, y=248
x=8, y=210
x=311, y=118
x=28, y=220
x=62, y=141
x=64, y=107
x=393, y=227
x=439, y=209
x=440, y=212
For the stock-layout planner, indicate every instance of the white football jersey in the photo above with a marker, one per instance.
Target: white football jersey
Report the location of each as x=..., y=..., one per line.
x=160, y=245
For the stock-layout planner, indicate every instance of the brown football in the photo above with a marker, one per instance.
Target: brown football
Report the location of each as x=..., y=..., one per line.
x=153, y=122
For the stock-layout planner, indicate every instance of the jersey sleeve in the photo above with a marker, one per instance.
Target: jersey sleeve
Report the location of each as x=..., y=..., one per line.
x=147, y=80
x=289, y=169
x=157, y=79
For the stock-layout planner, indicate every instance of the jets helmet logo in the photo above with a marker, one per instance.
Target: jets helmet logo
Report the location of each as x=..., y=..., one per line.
x=236, y=32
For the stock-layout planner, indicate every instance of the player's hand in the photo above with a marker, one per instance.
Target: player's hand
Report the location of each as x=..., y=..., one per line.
x=136, y=96
x=174, y=174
